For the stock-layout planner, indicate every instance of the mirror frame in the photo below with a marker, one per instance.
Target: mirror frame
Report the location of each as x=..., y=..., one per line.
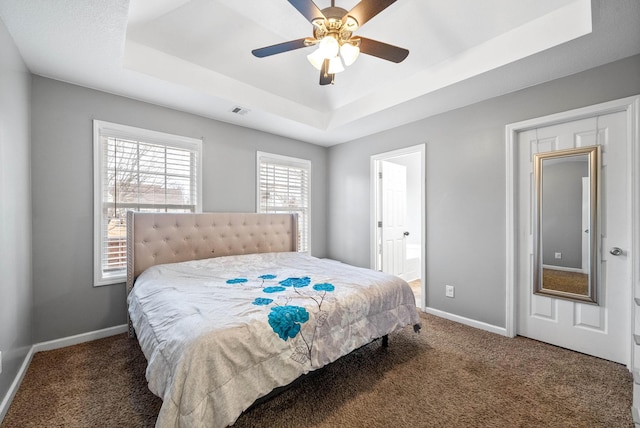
x=594, y=159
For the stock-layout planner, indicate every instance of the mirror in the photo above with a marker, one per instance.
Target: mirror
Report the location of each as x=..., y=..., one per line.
x=566, y=205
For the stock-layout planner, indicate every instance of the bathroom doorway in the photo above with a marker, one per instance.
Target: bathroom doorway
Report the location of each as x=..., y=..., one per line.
x=398, y=217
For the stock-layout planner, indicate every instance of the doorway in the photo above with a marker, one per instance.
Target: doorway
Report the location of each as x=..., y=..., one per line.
x=602, y=330
x=398, y=217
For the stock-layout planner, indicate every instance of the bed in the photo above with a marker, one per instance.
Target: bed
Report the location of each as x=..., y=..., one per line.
x=226, y=310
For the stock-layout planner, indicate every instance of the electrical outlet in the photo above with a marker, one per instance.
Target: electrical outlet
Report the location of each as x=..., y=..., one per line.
x=558, y=255
x=448, y=290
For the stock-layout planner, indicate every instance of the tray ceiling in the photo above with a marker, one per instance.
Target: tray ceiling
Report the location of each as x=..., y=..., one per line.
x=195, y=56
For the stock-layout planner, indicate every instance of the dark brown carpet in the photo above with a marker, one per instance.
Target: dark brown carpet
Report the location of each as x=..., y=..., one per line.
x=450, y=375
x=569, y=282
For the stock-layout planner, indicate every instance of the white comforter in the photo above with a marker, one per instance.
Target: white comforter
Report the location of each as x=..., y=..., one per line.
x=220, y=333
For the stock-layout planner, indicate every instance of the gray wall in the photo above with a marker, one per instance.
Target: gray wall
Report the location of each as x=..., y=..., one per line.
x=562, y=213
x=65, y=301
x=465, y=179
x=16, y=287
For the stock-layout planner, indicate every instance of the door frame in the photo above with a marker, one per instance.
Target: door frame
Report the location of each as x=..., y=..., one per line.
x=630, y=105
x=376, y=203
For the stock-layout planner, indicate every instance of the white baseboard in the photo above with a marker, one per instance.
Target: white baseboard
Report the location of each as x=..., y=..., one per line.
x=13, y=389
x=563, y=268
x=48, y=346
x=468, y=321
x=79, y=338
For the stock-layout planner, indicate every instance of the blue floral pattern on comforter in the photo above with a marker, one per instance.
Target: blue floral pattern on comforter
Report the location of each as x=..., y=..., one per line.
x=287, y=320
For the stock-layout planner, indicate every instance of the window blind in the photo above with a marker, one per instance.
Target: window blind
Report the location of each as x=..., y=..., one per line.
x=283, y=187
x=140, y=176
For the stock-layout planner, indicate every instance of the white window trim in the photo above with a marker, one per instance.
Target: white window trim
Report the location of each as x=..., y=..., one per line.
x=291, y=161
x=139, y=134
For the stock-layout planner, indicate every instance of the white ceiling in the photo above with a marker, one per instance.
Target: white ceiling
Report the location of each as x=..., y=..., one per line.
x=195, y=56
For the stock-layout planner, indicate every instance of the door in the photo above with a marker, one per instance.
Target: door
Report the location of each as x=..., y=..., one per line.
x=602, y=330
x=394, y=218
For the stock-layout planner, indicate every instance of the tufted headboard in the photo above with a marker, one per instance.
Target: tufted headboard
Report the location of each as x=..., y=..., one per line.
x=157, y=238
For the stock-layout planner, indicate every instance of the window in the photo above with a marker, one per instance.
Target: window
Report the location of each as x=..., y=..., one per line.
x=140, y=170
x=283, y=187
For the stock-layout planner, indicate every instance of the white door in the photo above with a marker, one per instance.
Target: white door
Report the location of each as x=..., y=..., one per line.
x=394, y=218
x=602, y=330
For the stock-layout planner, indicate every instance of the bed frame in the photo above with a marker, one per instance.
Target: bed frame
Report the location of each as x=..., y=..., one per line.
x=158, y=238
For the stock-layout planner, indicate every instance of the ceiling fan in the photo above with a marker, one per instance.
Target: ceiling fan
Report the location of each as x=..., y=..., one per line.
x=333, y=29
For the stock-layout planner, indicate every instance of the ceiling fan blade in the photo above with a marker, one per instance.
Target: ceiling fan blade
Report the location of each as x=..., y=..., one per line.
x=279, y=48
x=367, y=9
x=308, y=9
x=382, y=50
x=325, y=77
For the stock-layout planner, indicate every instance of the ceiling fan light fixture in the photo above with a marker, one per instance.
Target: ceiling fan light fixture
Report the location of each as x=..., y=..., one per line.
x=333, y=34
x=335, y=65
x=316, y=58
x=349, y=53
x=329, y=46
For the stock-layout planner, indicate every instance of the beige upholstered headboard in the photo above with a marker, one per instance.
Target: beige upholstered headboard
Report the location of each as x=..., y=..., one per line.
x=157, y=238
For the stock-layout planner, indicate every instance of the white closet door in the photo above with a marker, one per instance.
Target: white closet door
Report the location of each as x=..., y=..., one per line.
x=602, y=330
